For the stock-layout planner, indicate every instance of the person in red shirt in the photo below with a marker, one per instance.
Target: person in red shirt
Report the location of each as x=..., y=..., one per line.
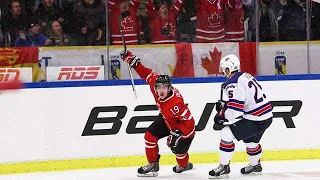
x=129, y=24
x=235, y=21
x=174, y=121
x=163, y=23
x=210, y=19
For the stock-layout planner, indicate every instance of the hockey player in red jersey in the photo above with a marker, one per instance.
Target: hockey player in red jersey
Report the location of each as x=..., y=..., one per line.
x=174, y=121
x=129, y=24
x=210, y=19
x=163, y=24
x=235, y=21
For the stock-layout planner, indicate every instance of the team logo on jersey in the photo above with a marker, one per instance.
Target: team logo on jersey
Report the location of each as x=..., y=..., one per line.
x=127, y=24
x=280, y=64
x=115, y=68
x=211, y=64
x=168, y=29
x=215, y=20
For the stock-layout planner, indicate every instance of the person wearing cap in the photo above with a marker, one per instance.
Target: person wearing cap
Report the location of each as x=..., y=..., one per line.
x=32, y=37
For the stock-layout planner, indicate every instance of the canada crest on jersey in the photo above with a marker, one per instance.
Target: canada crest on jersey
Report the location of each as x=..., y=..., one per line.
x=168, y=29
x=127, y=24
x=215, y=20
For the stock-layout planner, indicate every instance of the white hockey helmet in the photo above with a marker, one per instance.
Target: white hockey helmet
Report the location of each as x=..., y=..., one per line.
x=230, y=62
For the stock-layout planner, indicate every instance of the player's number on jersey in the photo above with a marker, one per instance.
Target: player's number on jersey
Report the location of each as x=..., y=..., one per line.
x=257, y=86
x=175, y=110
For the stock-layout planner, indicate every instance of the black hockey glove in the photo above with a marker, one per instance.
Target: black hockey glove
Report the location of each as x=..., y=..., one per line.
x=219, y=118
x=174, y=138
x=220, y=105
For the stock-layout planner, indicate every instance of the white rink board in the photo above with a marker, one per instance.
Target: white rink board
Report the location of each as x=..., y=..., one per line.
x=46, y=124
x=162, y=58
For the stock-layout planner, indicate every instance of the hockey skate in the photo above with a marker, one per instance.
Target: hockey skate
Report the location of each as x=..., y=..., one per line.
x=252, y=170
x=221, y=172
x=149, y=170
x=178, y=169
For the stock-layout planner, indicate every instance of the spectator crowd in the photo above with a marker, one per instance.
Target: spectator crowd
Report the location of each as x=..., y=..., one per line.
x=86, y=22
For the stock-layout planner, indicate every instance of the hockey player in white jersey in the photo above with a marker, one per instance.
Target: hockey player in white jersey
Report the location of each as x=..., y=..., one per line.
x=245, y=116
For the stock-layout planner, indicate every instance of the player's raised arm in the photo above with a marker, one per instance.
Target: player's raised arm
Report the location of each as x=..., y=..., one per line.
x=134, y=62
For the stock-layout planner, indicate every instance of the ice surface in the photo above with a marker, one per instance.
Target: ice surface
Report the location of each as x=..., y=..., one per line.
x=295, y=170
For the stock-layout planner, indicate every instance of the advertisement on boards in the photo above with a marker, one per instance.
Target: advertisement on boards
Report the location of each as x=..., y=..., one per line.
x=75, y=73
x=10, y=74
x=100, y=121
x=280, y=63
x=115, y=67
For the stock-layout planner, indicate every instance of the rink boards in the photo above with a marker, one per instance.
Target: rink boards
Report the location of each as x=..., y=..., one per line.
x=48, y=127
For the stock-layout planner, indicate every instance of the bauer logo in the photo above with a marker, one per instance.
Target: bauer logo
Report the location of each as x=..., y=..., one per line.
x=9, y=75
x=120, y=112
x=75, y=73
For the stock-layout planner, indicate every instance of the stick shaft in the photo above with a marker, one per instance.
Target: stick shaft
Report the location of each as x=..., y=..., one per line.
x=125, y=49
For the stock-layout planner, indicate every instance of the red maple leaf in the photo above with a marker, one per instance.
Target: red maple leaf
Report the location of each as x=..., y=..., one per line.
x=212, y=66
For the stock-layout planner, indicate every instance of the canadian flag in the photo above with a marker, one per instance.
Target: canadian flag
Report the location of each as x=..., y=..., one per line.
x=201, y=60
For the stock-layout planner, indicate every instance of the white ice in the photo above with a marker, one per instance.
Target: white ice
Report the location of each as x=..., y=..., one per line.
x=272, y=170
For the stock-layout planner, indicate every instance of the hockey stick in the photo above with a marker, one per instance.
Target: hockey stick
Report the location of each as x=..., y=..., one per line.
x=221, y=92
x=217, y=126
x=121, y=17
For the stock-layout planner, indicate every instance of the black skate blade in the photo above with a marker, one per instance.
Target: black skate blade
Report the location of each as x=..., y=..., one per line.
x=149, y=174
x=253, y=174
x=223, y=176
